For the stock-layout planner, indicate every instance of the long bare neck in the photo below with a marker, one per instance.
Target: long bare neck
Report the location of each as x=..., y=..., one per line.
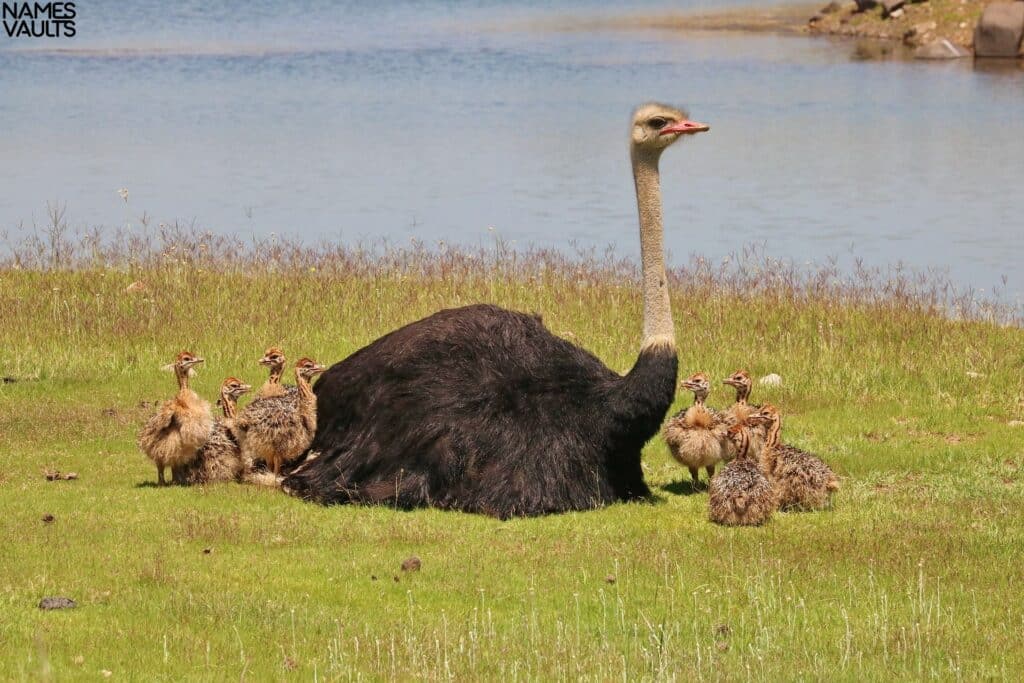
x=275, y=374
x=774, y=436
x=770, y=454
x=742, y=444
x=228, y=405
x=306, y=395
x=182, y=375
x=658, y=328
x=698, y=398
x=742, y=393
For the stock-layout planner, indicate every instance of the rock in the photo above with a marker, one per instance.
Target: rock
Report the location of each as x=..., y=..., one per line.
x=889, y=7
x=47, y=518
x=411, y=564
x=941, y=48
x=57, y=603
x=974, y=375
x=771, y=380
x=999, y=31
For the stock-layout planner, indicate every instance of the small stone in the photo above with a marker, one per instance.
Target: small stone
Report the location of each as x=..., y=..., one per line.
x=771, y=380
x=941, y=48
x=207, y=551
x=411, y=564
x=107, y=673
x=974, y=375
x=57, y=603
x=373, y=577
x=47, y=518
x=610, y=578
x=896, y=14
x=70, y=476
x=890, y=7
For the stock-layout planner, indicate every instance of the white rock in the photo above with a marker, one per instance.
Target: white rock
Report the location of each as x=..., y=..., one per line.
x=974, y=375
x=771, y=380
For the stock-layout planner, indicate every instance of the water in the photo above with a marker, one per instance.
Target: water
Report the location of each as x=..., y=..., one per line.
x=444, y=120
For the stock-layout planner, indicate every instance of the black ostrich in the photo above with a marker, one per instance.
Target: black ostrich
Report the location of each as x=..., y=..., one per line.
x=484, y=410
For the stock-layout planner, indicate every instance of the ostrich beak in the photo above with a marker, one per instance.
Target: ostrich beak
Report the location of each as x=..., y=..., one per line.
x=684, y=127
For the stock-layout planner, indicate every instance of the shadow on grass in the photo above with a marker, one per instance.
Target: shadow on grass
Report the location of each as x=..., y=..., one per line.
x=685, y=488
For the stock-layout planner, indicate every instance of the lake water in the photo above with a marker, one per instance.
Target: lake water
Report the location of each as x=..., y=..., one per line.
x=442, y=120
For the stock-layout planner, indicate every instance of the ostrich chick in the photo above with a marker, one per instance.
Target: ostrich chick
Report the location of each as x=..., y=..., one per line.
x=274, y=359
x=803, y=481
x=695, y=435
x=174, y=435
x=280, y=429
x=741, y=495
x=739, y=411
x=220, y=458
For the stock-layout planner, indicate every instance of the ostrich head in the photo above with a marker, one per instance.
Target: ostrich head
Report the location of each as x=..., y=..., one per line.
x=183, y=364
x=742, y=382
x=273, y=358
x=768, y=415
x=656, y=126
x=307, y=368
x=234, y=388
x=699, y=384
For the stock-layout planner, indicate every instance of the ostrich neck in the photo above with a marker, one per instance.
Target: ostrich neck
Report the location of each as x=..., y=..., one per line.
x=227, y=404
x=774, y=432
x=658, y=329
x=182, y=374
x=275, y=374
x=743, y=447
x=305, y=391
x=742, y=393
x=698, y=399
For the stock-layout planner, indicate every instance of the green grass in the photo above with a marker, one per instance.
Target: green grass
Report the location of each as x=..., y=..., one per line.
x=915, y=574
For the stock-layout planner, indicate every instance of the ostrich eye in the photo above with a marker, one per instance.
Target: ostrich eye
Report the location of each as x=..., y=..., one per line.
x=657, y=123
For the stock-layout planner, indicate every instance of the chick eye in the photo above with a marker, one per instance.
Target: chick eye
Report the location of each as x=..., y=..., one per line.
x=657, y=123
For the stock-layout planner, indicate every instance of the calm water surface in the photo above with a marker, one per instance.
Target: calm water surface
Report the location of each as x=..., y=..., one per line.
x=441, y=120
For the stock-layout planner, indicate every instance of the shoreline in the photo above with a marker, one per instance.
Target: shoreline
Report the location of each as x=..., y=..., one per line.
x=917, y=28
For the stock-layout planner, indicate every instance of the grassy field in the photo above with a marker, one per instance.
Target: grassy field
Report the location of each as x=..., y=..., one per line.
x=915, y=574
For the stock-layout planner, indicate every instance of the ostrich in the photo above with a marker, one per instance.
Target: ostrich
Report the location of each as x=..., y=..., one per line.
x=695, y=436
x=741, y=495
x=803, y=480
x=484, y=410
x=220, y=458
x=274, y=359
x=172, y=436
x=279, y=429
x=739, y=411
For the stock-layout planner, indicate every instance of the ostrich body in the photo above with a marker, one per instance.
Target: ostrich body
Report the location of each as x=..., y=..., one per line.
x=803, y=480
x=220, y=458
x=279, y=429
x=695, y=436
x=741, y=495
x=172, y=437
x=484, y=410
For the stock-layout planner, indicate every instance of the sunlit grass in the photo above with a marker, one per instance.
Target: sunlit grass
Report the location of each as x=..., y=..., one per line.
x=910, y=390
